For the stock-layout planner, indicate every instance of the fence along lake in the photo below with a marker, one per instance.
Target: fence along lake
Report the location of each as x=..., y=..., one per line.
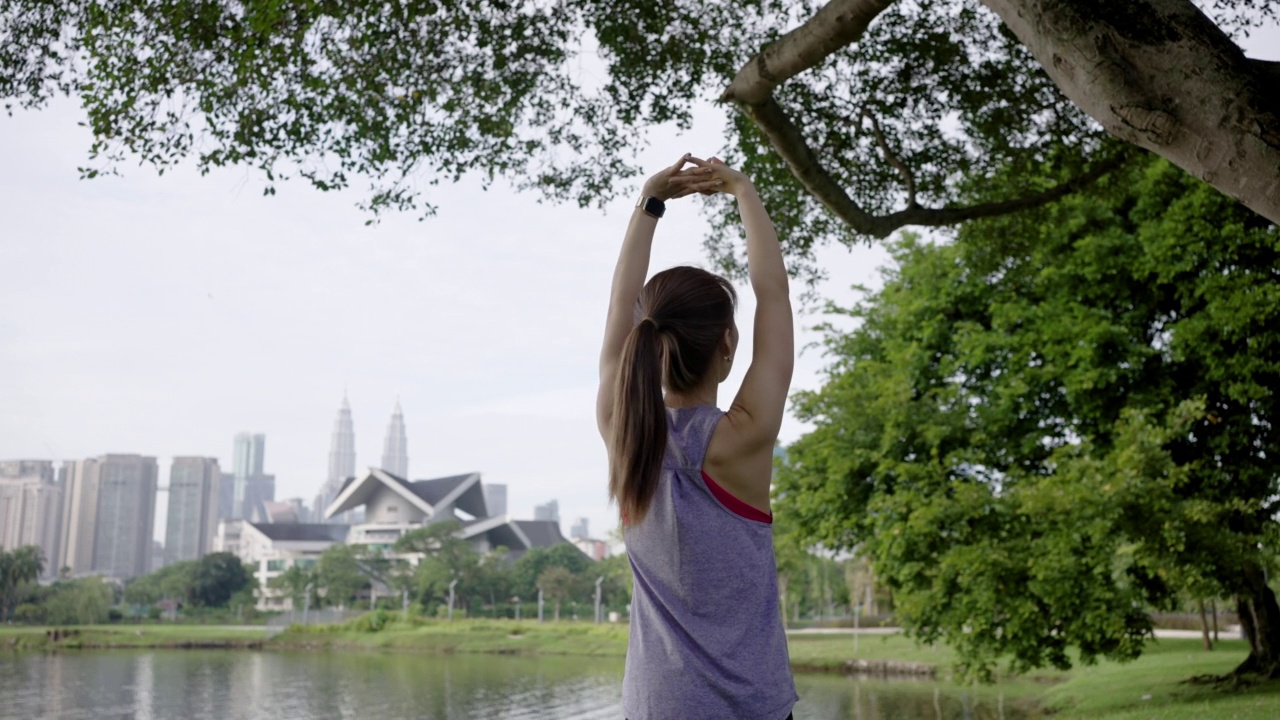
x=247, y=685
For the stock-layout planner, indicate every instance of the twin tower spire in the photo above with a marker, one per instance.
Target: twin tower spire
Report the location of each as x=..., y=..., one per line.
x=342, y=446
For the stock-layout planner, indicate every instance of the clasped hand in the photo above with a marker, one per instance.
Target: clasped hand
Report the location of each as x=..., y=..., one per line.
x=694, y=175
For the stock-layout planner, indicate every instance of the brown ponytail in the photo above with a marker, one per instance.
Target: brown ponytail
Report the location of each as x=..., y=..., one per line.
x=685, y=312
x=640, y=422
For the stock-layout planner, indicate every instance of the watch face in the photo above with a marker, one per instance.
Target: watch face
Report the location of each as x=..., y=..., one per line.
x=654, y=206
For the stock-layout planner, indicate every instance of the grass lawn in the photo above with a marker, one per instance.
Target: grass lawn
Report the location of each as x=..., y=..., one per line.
x=469, y=636
x=130, y=636
x=1114, y=691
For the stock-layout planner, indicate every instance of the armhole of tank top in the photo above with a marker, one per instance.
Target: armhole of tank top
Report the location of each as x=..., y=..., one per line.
x=728, y=500
x=733, y=504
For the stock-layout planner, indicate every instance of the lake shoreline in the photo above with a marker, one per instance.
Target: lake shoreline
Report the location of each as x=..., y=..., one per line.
x=1148, y=687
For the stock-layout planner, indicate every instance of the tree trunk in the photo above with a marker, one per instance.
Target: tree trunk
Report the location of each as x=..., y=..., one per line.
x=782, y=600
x=1204, y=626
x=1260, y=618
x=1214, y=605
x=1161, y=75
x=557, y=611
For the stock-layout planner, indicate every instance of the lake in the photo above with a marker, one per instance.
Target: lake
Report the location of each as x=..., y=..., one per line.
x=244, y=685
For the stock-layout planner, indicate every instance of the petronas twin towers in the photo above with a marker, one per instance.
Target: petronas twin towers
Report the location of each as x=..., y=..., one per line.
x=342, y=454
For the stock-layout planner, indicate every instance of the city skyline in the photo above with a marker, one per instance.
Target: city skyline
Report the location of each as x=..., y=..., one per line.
x=498, y=375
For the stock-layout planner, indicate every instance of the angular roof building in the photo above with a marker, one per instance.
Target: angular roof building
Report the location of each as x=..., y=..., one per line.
x=393, y=506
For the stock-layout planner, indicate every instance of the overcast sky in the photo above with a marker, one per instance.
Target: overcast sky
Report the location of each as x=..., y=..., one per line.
x=162, y=315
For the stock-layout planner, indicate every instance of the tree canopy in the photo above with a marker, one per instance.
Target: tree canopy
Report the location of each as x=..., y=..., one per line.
x=1057, y=423
x=857, y=116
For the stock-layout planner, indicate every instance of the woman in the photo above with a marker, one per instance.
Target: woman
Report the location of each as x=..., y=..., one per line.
x=692, y=481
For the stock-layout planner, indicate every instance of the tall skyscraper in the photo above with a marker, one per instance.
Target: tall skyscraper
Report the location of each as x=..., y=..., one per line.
x=192, y=520
x=227, y=497
x=579, y=530
x=126, y=515
x=246, y=463
x=79, y=516
x=495, y=499
x=342, y=461
x=395, y=449
x=31, y=508
x=548, y=511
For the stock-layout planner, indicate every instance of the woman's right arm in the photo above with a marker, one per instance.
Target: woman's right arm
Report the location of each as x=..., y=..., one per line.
x=755, y=416
x=756, y=412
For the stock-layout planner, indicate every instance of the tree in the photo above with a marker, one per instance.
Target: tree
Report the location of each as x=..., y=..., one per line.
x=172, y=582
x=1058, y=422
x=295, y=582
x=17, y=568
x=558, y=585
x=866, y=116
x=340, y=574
x=529, y=568
x=217, y=577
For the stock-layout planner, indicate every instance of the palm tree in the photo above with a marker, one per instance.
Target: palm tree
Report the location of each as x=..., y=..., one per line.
x=17, y=568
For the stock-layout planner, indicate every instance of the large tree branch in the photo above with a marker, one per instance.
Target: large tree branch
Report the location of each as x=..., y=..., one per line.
x=1269, y=70
x=790, y=144
x=837, y=24
x=1161, y=75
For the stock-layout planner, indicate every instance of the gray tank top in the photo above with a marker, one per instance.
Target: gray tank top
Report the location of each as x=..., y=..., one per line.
x=707, y=641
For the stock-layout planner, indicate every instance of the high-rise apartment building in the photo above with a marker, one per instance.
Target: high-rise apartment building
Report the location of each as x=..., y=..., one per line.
x=30, y=508
x=547, y=511
x=495, y=499
x=227, y=496
x=246, y=464
x=342, y=461
x=579, y=530
x=126, y=515
x=79, y=516
x=192, y=519
x=395, y=449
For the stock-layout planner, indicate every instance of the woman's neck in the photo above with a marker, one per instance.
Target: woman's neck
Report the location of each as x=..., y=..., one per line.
x=703, y=395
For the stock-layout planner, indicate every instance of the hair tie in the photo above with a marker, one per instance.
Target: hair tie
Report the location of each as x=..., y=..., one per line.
x=651, y=321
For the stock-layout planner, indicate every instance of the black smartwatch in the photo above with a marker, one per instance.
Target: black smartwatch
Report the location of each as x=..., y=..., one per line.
x=652, y=205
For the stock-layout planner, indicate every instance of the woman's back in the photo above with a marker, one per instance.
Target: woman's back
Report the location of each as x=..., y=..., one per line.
x=707, y=639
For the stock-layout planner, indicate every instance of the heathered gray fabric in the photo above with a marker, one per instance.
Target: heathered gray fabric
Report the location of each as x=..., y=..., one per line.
x=707, y=641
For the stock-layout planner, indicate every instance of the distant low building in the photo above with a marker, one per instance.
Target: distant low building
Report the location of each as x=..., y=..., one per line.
x=594, y=549
x=391, y=506
x=269, y=549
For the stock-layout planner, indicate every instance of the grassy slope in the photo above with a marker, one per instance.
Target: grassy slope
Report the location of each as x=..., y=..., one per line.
x=470, y=636
x=123, y=636
x=1115, y=691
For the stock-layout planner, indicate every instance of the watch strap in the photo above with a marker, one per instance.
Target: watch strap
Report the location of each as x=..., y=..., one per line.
x=652, y=206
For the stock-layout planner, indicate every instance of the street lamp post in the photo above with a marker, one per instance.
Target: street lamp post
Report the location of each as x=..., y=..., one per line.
x=598, y=581
x=452, y=583
x=516, y=600
x=306, y=602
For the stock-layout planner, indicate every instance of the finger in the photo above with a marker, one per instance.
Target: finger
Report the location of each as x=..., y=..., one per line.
x=679, y=164
x=689, y=178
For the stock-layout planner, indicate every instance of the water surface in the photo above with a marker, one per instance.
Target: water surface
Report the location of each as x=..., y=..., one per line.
x=241, y=685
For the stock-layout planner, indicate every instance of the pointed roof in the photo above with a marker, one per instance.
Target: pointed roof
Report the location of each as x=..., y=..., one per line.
x=430, y=496
x=540, y=533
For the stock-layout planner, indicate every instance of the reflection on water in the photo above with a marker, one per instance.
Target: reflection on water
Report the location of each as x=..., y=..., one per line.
x=174, y=685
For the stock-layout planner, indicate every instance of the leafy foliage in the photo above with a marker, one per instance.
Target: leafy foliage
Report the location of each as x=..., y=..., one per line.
x=1058, y=421
x=18, y=567
x=551, y=96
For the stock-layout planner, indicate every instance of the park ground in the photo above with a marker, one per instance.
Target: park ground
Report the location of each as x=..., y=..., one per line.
x=1152, y=687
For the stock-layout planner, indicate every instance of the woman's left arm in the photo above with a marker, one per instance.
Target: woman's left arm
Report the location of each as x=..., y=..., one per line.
x=628, y=280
